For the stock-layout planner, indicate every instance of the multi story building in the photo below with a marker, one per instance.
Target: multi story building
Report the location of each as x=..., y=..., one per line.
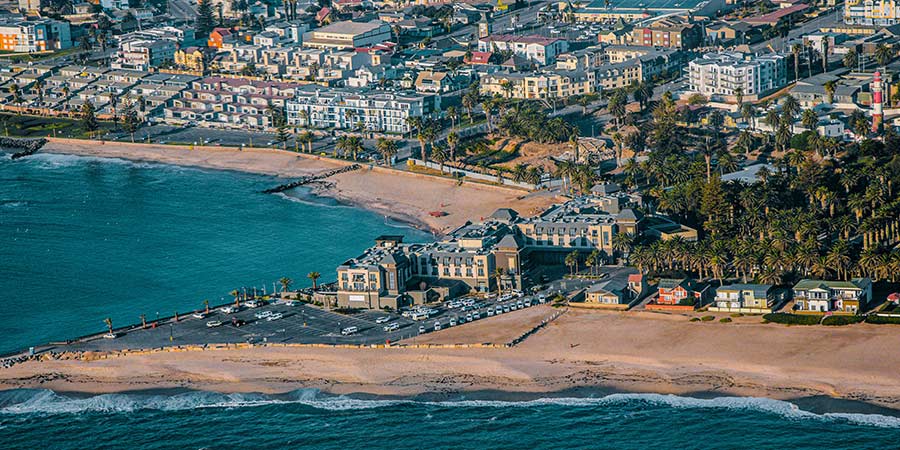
x=872, y=12
x=557, y=84
x=143, y=54
x=20, y=35
x=348, y=35
x=540, y=50
x=683, y=292
x=671, y=32
x=230, y=102
x=720, y=75
x=737, y=297
x=832, y=296
x=343, y=109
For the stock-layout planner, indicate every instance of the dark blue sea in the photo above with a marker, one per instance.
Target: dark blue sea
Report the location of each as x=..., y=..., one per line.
x=82, y=239
x=303, y=419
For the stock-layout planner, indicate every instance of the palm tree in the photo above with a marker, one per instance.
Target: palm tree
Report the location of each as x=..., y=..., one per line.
x=809, y=119
x=572, y=262
x=851, y=59
x=830, y=86
x=306, y=138
x=520, y=172
x=453, y=115
x=452, y=143
x=304, y=115
x=487, y=106
x=883, y=54
x=796, y=49
x=498, y=275
x=314, y=276
x=748, y=113
x=285, y=283
x=439, y=155
x=739, y=95
x=387, y=148
x=825, y=46
x=469, y=100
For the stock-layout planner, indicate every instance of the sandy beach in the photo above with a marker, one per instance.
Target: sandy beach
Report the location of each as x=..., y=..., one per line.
x=404, y=196
x=635, y=352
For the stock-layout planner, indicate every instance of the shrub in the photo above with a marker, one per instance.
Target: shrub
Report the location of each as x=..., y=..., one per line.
x=793, y=319
x=725, y=320
x=695, y=319
x=686, y=302
x=708, y=318
x=882, y=320
x=737, y=315
x=842, y=320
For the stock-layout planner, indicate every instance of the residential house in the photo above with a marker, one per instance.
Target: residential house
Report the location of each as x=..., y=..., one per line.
x=745, y=298
x=540, y=50
x=822, y=296
x=683, y=292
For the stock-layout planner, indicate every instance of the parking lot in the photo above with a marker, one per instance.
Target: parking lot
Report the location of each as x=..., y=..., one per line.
x=296, y=323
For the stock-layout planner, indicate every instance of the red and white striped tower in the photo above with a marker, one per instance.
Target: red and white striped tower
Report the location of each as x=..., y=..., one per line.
x=877, y=106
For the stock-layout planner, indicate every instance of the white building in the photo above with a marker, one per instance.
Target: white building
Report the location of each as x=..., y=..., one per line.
x=342, y=109
x=721, y=74
x=142, y=54
x=541, y=50
x=348, y=34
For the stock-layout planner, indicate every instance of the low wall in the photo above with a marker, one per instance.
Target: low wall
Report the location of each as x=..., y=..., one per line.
x=740, y=310
x=605, y=306
x=475, y=175
x=679, y=308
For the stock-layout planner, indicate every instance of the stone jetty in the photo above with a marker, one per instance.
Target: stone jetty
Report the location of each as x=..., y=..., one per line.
x=309, y=179
x=25, y=147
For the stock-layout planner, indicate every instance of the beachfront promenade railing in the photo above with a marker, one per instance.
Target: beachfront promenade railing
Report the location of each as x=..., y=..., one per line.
x=455, y=171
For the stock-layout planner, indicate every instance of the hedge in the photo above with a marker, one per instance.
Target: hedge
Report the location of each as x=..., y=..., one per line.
x=882, y=320
x=842, y=320
x=793, y=319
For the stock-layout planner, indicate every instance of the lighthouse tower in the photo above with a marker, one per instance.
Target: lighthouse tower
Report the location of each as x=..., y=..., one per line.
x=877, y=105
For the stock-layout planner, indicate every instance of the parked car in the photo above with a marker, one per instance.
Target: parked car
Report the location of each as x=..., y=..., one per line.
x=382, y=319
x=213, y=324
x=199, y=315
x=229, y=309
x=275, y=316
x=349, y=330
x=263, y=314
x=452, y=321
x=422, y=329
x=476, y=315
x=237, y=322
x=391, y=327
x=252, y=303
x=437, y=326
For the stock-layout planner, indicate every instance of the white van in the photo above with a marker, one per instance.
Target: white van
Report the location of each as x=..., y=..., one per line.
x=349, y=330
x=437, y=326
x=419, y=315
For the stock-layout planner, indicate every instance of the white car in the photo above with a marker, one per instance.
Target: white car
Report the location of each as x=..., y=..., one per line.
x=199, y=315
x=468, y=317
x=263, y=314
x=490, y=312
x=252, y=304
x=229, y=309
x=382, y=319
x=275, y=316
x=452, y=321
x=213, y=324
x=391, y=327
x=476, y=315
x=506, y=308
x=437, y=326
x=422, y=329
x=528, y=303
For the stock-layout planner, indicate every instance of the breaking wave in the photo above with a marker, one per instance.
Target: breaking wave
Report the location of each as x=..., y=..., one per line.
x=47, y=402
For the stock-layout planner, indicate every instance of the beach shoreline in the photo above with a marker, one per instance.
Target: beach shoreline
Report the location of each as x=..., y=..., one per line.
x=576, y=353
x=425, y=202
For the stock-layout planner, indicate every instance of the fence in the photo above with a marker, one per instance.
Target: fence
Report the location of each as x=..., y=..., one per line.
x=455, y=171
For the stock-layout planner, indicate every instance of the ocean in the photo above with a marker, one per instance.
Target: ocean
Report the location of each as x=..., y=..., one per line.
x=85, y=238
x=82, y=239
x=305, y=419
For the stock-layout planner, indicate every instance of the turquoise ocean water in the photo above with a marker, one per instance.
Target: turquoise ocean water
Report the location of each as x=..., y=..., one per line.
x=82, y=239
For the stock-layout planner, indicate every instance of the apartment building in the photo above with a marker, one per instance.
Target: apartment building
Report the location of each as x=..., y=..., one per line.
x=230, y=102
x=720, y=75
x=348, y=35
x=871, y=12
x=538, y=49
x=378, y=111
x=20, y=35
x=670, y=32
x=143, y=54
x=557, y=84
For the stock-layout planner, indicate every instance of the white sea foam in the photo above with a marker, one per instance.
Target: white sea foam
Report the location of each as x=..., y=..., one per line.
x=48, y=402
x=60, y=160
x=304, y=201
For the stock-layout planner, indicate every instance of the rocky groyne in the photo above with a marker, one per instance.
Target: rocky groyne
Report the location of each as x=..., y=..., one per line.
x=309, y=179
x=23, y=147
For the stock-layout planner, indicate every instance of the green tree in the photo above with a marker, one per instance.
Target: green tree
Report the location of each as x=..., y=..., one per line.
x=206, y=20
x=387, y=148
x=132, y=122
x=89, y=121
x=285, y=283
x=314, y=277
x=851, y=59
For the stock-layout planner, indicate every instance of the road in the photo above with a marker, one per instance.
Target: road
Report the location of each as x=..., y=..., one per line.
x=182, y=10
